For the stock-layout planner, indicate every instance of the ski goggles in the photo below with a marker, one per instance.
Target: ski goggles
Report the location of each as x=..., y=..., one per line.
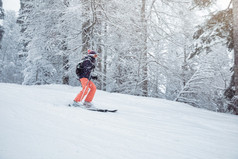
x=95, y=55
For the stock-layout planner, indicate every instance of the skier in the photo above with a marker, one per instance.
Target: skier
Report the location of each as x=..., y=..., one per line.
x=85, y=75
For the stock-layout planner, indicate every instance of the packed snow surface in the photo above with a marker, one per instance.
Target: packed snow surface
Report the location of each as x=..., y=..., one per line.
x=36, y=123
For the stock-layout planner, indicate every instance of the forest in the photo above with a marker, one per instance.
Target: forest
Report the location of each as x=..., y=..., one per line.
x=180, y=50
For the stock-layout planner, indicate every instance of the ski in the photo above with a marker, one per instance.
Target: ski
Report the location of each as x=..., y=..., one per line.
x=97, y=109
x=103, y=110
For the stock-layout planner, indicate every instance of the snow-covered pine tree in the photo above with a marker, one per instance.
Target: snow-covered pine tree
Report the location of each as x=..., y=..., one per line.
x=26, y=8
x=11, y=62
x=44, y=62
x=220, y=28
x=68, y=23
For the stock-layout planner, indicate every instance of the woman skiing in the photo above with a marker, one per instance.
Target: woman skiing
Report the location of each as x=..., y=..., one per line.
x=85, y=74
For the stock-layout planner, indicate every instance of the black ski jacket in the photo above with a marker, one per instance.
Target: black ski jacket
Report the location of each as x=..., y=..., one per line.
x=87, y=66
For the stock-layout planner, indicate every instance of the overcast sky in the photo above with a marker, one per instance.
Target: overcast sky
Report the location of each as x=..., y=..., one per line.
x=11, y=5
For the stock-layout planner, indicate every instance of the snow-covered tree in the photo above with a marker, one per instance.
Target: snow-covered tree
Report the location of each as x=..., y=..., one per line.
x=1, y=20
x=48, y=50
x=23, y=20
x=42, y=59
x=233, y=105
x=144, y=46
x=10, y=61
x=205, y=88
x=220, y=28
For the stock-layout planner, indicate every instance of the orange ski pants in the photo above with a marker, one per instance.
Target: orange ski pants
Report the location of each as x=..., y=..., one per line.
x=86, y=84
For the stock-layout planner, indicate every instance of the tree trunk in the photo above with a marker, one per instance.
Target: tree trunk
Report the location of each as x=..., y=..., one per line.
x=105, y=70
x=105, y=57
x=235, y=37
x=66, y=68
x=64, y=47
x=86, y=31
x=1, y=18
x=144, y=50
x=99, y=41
x=184, y=66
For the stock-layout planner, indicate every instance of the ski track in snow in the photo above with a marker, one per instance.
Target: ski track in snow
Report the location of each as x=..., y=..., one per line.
x=35, y=123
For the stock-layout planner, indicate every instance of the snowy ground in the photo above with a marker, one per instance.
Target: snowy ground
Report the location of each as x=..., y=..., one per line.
x=35, y=123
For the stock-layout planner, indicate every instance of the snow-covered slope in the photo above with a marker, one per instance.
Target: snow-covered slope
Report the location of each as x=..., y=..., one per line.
x=35, y=123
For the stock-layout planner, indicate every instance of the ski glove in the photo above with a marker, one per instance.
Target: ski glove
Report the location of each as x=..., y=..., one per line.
x=94, y=77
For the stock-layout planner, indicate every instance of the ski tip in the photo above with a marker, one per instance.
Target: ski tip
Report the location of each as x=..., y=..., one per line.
x=113, y=110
